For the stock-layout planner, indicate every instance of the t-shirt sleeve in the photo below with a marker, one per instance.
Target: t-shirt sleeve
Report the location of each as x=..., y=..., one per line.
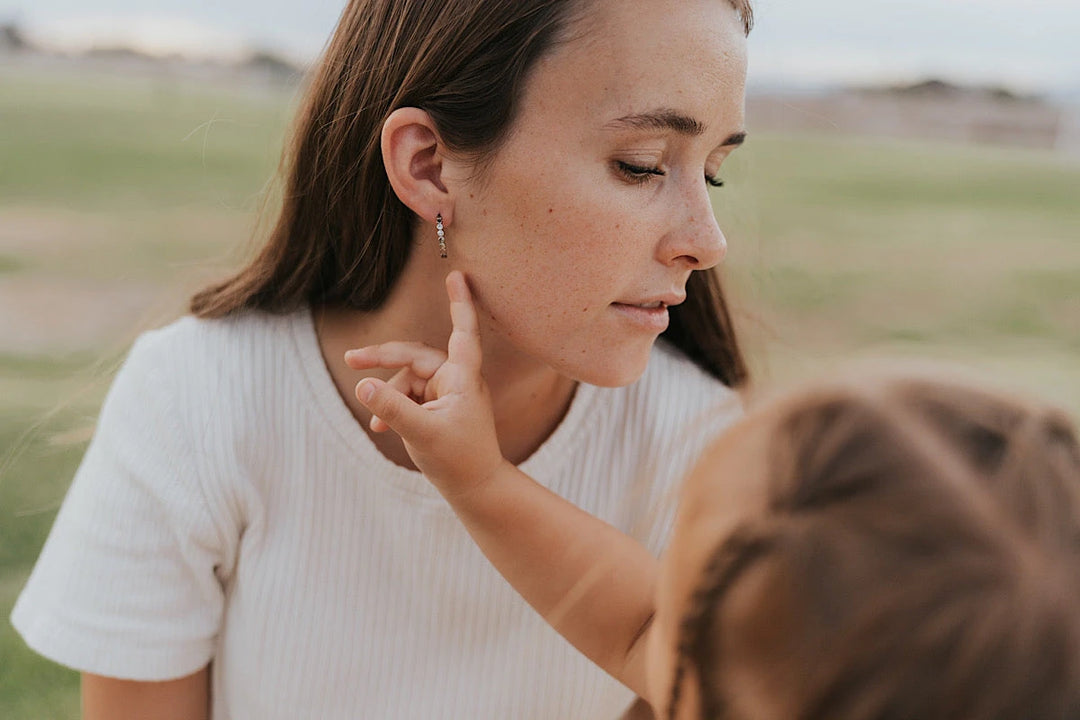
x=125, y=586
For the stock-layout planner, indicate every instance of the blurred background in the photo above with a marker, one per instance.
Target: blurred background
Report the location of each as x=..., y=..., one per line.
x=911, y=188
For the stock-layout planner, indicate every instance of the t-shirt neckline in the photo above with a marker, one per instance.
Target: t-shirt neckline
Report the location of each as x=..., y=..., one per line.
x=544, y=463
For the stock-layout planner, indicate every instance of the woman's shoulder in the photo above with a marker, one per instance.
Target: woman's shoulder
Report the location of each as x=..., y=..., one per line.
x=216, y=385
x=217, y=337
x=191, y=350
x=203, y=365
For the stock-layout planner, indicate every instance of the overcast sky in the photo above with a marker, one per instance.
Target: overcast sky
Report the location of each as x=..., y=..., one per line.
x=1026, y=44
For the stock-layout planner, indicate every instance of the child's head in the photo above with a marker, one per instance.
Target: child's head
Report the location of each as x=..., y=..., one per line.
x=892, y=548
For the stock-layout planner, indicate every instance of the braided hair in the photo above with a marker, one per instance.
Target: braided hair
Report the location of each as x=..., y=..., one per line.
x=694, y=649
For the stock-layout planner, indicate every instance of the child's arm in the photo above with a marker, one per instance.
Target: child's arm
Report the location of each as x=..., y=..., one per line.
x=592, y=583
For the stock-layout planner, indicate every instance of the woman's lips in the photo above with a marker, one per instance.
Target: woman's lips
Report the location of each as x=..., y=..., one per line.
x=652, y=317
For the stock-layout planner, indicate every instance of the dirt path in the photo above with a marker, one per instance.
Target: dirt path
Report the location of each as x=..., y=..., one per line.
x=67, y=285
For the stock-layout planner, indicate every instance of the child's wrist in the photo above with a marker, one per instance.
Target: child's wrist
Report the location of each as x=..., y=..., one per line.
x=480, y=481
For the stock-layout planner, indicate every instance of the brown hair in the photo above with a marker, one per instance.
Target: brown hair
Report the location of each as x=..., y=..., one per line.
x=921, y=553
x=342, y=236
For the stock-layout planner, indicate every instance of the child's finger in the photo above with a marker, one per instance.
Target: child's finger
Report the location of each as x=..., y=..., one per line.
x=464, y=348
x=406, y=383
x=391, y=407
x=423, y=359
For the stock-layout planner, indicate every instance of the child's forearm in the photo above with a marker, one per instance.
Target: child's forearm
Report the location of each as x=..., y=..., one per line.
x=592, y=583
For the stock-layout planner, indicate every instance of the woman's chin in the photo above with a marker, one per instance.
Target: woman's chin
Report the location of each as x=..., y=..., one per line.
x=612, y=370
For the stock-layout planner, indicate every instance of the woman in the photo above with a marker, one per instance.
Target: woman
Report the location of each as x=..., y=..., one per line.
x=234, y=537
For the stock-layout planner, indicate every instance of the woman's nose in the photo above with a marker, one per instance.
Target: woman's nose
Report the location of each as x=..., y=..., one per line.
x=697, y=240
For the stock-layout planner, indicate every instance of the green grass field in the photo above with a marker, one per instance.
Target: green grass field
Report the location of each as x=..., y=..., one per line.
x=119, y=196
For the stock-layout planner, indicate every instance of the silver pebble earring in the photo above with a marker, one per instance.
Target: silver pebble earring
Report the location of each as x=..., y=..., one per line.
x=442, y=235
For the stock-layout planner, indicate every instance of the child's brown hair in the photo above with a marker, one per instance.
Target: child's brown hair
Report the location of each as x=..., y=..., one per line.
x=919, y=558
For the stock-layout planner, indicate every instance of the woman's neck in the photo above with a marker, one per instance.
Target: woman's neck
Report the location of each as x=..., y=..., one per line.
x=529, y=398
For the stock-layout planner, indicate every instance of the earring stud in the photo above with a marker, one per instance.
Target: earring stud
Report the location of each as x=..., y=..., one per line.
x=442, y=235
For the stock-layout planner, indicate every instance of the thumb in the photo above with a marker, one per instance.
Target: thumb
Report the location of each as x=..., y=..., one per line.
x=387, y=403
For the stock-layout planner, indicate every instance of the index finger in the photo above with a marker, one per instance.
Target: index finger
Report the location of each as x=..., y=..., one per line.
x=423, y=360
x=464, y=347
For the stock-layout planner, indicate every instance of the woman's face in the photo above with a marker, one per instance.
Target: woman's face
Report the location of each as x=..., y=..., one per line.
x=593, y=213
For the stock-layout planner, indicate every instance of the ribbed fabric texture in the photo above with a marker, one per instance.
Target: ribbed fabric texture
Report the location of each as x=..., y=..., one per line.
x=231, y=509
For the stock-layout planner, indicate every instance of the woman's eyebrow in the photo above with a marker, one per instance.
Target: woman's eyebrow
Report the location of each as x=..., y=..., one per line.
x=662, y=119
x=734, y=139
x=665, y=119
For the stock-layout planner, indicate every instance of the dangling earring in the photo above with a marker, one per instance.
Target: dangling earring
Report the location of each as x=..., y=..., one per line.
x=442, y=235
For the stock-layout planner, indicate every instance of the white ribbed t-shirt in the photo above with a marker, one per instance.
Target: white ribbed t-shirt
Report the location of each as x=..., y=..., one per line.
x=231, y=509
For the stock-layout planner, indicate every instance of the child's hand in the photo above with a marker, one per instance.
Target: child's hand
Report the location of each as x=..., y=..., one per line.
x=451, y=435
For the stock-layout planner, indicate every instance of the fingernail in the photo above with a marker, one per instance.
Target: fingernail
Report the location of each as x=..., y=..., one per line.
x=367, y=389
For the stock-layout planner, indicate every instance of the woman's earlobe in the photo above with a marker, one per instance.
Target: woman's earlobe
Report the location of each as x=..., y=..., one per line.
x=413, y=158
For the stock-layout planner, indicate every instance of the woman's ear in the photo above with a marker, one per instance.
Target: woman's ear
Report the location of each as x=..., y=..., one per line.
x=413, y=157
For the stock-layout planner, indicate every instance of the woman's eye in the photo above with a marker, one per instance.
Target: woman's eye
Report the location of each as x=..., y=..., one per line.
x=713, y=180
x=638, y=174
